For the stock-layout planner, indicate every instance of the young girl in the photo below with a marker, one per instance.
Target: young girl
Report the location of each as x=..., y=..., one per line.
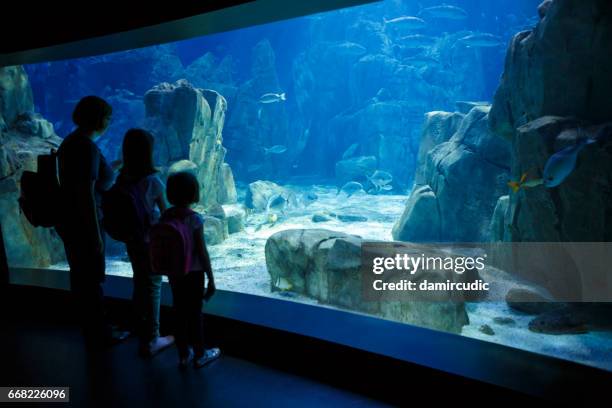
x=182, y=191
x=138, y=171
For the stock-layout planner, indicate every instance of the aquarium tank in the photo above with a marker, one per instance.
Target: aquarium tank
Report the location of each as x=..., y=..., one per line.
x=394, y=121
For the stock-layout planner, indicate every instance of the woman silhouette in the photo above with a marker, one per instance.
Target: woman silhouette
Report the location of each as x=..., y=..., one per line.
x=83, y=175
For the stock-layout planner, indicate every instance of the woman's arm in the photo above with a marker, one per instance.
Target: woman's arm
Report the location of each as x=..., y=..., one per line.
x=88, y=216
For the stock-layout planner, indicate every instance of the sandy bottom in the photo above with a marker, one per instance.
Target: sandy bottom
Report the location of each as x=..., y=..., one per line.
x=239, y=265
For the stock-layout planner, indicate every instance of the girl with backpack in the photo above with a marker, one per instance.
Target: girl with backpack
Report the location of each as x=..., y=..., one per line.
x=178, y=250
x=140, y=178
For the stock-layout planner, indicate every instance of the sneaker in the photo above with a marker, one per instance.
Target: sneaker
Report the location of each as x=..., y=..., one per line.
x=160, y=343
x=185, y=361
x=209, y=355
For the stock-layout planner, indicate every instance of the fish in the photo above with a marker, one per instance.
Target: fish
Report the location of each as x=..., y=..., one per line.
x=350, y=188
x=405, y=23
x=272, y=97
x=445, y=11
x=524, y=183
x=380, y=179
x=417, y=41
x=276, y=149
x=348, y=48
x=562, y=163
x=277, y=202
x=350, y=152
x=481, y=40
x=270, y=221
x=420, y=61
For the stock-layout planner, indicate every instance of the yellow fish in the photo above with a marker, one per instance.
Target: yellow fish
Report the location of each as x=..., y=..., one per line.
x=524, y=183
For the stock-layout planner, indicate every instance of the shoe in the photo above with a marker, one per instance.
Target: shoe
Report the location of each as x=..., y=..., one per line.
x=160, y=343
x=185, y=361
x=209, y=355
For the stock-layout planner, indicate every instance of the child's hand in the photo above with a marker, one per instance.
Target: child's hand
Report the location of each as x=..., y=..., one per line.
x=210, y=290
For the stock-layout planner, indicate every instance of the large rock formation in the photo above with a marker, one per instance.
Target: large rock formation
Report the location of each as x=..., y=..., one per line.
x=557, y=78
x=253, y=126
x=325, y=265
x=560, y=68
x=458, y=181
x=187, y=123
x=23, y=136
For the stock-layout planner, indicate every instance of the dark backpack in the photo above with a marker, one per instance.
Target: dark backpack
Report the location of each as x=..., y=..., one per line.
x=40, y=192
x=171, y=244
x=125, y=217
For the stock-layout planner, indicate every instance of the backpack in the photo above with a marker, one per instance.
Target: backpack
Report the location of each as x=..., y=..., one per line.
x=40, y=192
x=171, y=244
x=125, y=217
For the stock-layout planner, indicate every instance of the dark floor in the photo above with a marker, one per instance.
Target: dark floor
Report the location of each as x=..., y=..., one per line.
x=40, y=346
x=45, y=354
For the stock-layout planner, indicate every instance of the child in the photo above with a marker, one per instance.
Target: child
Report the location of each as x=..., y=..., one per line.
x=182, y=191
x=138, y=171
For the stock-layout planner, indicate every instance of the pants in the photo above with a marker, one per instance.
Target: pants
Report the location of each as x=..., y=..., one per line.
x=187, y=292
x=146, y=294
x=87, y=272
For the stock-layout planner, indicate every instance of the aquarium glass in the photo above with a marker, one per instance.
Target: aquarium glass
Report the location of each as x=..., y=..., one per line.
x=316, y=131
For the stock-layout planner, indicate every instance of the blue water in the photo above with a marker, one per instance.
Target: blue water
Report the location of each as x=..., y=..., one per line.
x=326, y=93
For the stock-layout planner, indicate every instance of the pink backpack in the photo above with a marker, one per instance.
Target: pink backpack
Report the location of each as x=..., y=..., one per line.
x=171, y=243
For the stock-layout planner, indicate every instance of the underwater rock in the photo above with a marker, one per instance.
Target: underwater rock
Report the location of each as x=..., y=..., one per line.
x=183, y=165
x=253, y=125
x=217, y=211
x=531, y=302
x=207, y=71
x=227, y=186
x=420, y=220
x=439, y=127
x=320, y=218
x=15, y=93
x=326, y=265
x=559, y=321
x=575, y=211
x=497, y=229
x=538, y=63
x=486, y=329
x=389, y=132
x=355, y=169
x=259, y=193
x=466, y=106
x=26, y=246
x=370, y=74
x=471, y=167
x=369, y=34
x=33, y=124
x=187, y=124
x=235, y=215
x=215, y=230
x=8, y=185
x=351, y=218
x=504, y=321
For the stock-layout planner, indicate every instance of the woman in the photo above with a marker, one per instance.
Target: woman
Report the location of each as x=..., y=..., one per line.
x=84, y=175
